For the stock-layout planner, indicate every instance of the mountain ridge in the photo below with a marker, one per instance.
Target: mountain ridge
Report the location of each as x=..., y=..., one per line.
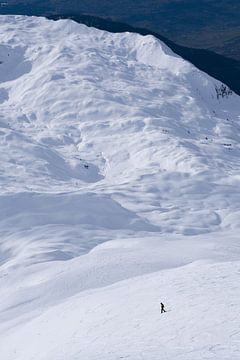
x=221, y=67
x=208, y=24
x=224, y=69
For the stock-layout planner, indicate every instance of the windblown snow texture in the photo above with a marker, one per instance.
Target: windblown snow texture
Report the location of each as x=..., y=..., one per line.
x=120, y=189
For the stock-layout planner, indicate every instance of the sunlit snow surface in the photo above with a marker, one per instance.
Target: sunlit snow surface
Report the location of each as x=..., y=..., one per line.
x=119, y=188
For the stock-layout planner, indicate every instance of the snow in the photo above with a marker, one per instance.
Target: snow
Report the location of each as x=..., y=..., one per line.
x=119, y=173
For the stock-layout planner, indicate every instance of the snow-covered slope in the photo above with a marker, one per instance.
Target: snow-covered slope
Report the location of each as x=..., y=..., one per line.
x=120, y=187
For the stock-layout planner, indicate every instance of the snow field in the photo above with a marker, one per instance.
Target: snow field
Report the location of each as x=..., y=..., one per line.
x=123, y=320
x=119, y=174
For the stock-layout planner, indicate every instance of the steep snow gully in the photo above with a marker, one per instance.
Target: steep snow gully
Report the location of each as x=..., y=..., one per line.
x=120, y=188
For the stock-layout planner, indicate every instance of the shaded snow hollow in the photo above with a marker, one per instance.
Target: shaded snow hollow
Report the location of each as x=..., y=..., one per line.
x=120, y=188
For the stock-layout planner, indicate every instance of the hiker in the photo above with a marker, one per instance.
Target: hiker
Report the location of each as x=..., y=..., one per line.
x=162, y=308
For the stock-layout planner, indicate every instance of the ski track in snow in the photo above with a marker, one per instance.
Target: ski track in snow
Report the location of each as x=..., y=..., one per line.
x=120, y=188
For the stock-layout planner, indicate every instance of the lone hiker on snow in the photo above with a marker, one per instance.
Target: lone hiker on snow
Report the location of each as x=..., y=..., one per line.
x=162, y=308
